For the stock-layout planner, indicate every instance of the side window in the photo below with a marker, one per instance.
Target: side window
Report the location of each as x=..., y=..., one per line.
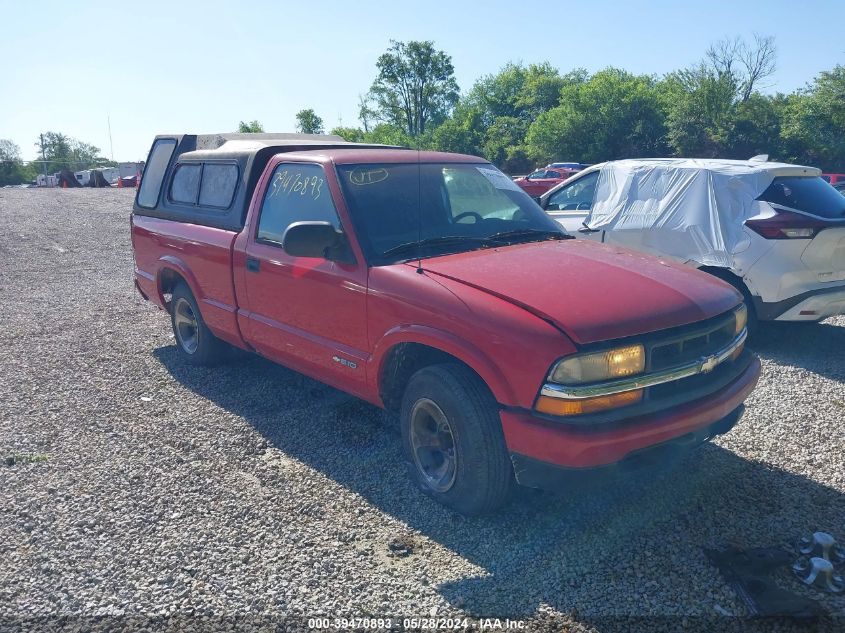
x=537, y=175
x=296, y=193
x=575, y=196
x=186, y=183
x=154, y=172
x=218, y=185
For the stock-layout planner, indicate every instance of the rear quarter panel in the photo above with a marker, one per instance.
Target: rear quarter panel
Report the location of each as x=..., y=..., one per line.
x=201, y=255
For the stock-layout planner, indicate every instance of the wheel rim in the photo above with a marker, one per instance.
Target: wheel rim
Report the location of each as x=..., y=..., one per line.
x=185, y=326
x=433, y=445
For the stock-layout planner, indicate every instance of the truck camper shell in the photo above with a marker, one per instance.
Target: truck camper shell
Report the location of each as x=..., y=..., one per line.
x=220, y=196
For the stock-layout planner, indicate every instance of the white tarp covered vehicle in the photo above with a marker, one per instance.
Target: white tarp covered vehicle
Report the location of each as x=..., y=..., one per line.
x=775, y=231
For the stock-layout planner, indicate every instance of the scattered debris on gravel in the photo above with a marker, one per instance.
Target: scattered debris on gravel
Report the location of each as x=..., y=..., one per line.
x=135, y=488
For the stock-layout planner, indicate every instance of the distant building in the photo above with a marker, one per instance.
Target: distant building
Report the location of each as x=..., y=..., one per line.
x=51, y=180
x=111, y=175
x=127, y=170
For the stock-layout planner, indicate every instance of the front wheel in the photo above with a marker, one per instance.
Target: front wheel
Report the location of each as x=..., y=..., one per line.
x=453, y=441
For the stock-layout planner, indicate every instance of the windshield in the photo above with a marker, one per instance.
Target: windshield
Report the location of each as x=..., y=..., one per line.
x=810, y=195
x=404, y=211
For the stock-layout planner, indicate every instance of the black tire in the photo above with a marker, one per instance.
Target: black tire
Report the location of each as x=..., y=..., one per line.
x=203, y=348
x=483, y=473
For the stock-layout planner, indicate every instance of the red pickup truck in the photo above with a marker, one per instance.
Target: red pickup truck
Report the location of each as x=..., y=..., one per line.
x=430, y=284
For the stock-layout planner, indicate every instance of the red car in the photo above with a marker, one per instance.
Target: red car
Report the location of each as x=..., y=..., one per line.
x=431, y=285
x=540, y=181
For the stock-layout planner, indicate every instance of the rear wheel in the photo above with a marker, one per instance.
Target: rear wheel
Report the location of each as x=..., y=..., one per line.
x=453, y=441
x=196, y=344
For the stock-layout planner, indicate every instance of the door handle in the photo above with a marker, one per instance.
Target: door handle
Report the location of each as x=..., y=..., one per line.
x=253, y=265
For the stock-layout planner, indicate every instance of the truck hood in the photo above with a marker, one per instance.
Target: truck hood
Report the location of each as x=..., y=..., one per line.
x=592, y=292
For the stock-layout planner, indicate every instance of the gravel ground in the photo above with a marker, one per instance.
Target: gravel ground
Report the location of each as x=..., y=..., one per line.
x=151, y=493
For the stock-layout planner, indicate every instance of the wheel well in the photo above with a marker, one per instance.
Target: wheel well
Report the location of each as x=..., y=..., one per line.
x=733, y=279
x=726, y=275
x=402, y=362
x=167, y=281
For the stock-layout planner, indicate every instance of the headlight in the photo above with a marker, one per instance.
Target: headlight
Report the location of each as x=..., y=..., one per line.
x=614, y=363
x=740, y=319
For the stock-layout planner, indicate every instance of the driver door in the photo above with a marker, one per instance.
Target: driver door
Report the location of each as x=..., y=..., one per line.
x=305, y=312
x=570, y=205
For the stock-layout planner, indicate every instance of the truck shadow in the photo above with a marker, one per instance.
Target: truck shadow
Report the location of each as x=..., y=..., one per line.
x=543, y=549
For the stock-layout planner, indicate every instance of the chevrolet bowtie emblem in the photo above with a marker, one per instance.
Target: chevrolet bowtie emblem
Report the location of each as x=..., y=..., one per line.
x=709, y=364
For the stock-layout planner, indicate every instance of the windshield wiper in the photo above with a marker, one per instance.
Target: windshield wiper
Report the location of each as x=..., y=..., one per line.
x=532, y=233
x=412, y=247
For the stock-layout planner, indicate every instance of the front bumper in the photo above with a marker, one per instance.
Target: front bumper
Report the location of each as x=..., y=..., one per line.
x=534, y=473
x=813, y=305
x=572, y=447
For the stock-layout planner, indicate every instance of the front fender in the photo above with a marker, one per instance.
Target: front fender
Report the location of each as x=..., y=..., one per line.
x=446, y=342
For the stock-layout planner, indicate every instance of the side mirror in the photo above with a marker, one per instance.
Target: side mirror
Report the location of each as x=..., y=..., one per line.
x=539, y=201
x=317, y=239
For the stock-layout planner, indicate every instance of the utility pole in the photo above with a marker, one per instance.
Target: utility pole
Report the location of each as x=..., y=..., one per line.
x=44, y=160
x=111, y=145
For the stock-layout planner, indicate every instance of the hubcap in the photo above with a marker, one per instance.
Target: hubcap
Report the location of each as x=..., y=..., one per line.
x=186, y=327
x=433, y=445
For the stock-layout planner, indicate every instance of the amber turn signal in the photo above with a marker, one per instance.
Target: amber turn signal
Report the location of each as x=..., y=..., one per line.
x=560, y=406
x=738, y=351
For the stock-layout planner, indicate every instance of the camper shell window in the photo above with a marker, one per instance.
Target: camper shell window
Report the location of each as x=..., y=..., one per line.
x=204, y=185
x=185, y=185
x=160, y=154
x=218, y=185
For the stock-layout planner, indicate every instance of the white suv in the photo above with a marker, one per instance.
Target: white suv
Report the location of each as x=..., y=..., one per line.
x=774, y=231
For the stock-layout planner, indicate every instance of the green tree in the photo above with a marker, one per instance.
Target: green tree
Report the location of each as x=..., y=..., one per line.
x=388, y=134
x=461, y=133
x=366, y=113
x=613, y=114
x=504, y=144
x=754, y=127
x=715, y=108
x=519, y=91
x=814, y=122
x=63, y=152
x=699, y=105
x=415, y=88
x=13, y=171
x=492, y=119
x=250, y=127
x=308, y=122
x=351, y=134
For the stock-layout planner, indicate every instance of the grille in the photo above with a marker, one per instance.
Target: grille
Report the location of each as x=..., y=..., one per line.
x=682, y=349
x=715, y=379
